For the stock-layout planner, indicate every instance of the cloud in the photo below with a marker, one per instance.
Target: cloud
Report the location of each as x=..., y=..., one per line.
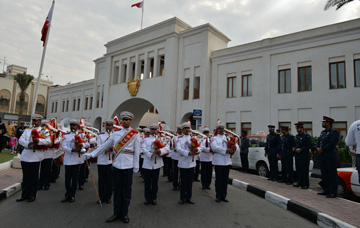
x=81, y=28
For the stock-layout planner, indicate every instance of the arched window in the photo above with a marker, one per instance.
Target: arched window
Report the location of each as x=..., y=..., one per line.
x=4, y=100
x=26, y=104
x=40, y=105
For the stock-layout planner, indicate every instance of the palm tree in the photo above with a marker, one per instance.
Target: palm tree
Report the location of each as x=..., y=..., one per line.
x=23, y=80
x=337, y=3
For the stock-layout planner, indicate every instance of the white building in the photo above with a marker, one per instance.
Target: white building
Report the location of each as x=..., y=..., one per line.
x=293, y=78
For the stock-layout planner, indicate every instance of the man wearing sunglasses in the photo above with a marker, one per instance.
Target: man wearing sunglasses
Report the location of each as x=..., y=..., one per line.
x=126, y=143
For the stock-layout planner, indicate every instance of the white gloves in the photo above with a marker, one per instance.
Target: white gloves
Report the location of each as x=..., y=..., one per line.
x=87, y=156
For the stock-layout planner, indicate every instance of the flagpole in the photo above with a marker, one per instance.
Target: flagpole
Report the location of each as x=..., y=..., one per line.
x=41, y=66
x=142, y=14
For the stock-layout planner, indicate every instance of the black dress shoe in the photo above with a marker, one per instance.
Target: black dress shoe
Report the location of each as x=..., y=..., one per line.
x=21, y=199
x=323, y=193
x=225, y=200
x=125, y=219
x=46, y=188
x=289, y=183
x=113, y=218
x=107, y=201
x=72, y=199
x=218, y=200
x=281, y=181
x=190, y=202
x=40, y=188
x=269, y=179
x=31, y=199
x=65, y=199
x=181, y=201
x=81, y=187
x=196, y=180
x=53, y=181
x=154, y=202
x=304, y=187
x=296, y=185
x=208, y=188
x=203, y=188
x=331, y=196
x=147, y=202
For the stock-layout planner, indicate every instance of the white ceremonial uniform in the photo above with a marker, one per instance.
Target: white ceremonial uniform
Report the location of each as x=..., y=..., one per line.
x=141, y=142
x=219, y=145
x=175, y=155
x=206, y=155
x=28, y=155
x=353, y=136
x=123, y=160
x=72, y=158
x=103, y=157
x=147, y=147
x=183, y=148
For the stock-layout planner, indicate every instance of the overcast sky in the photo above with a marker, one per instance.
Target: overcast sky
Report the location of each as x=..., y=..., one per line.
x=80, y=28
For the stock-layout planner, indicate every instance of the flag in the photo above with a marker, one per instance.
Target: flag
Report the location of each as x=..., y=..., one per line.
x=10, y=71
x=46, y=25
x=138, y=5
x=69, y=82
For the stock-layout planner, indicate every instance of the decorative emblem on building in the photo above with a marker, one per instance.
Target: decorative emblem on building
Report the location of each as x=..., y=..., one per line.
x=133, y=86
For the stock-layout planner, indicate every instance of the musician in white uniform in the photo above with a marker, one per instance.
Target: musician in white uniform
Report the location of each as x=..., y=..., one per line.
x=175, y=158
x=146, y=135
x=221, y=161
x=152, y=163
x=126, y=143
x=31, y=157
x=104, y=164
x=186, y=164
x=206, y=156
x=72, y=159
x=45, y=165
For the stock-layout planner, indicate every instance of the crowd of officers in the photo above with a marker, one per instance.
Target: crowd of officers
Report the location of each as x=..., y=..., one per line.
x=122, y=151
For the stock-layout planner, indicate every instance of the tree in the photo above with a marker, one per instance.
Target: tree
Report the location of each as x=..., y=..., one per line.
x=23, y=80
x=337, y=3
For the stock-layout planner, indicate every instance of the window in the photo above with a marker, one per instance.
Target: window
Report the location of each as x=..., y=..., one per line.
x=341, y=127
x=246, y=86
x=231, y=127
x=304, y=78
x=357, y=72
x=91, y=102
x=284, y=81
x=78, y=104
x=186, y=89
x=74, y=104
x=151, y=70
x=63, y=106
x=116, y=73
x=162, y=65
x=132, y=73
x=196, y=87
x=52, y=107
x=337, y=75
x=247, y=127
x=86, y=103
x=102, y=96
x=142, y=69
x=231, y=87
x=67, y=105
x=56, y=104
x=307, y=127
x=286, y=124
x=123, y=73
x=98, y=99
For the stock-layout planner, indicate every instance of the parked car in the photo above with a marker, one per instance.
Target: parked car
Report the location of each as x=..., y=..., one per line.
x=348, y=184
x=256, y=157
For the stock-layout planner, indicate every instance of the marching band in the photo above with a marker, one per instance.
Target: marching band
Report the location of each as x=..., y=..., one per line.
x=120, y=152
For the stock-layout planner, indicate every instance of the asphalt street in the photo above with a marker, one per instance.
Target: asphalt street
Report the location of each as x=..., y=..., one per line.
x=244, y=210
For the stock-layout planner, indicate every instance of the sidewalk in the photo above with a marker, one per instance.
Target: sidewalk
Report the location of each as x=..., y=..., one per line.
x=321, y=210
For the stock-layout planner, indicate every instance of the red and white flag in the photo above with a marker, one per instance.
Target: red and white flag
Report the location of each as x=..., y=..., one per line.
x=47, y=24
x=69, y=83
x=138, y=5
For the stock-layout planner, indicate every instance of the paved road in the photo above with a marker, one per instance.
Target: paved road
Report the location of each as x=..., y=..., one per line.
x=244, y=210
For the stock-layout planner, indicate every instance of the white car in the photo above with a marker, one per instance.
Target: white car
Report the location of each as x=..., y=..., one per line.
x=348, y=183
x=256, y=156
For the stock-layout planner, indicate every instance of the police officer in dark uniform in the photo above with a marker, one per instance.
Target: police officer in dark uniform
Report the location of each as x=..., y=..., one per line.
x=326, y=147
x=272, y=150
x=287, y=155
x=302, y=148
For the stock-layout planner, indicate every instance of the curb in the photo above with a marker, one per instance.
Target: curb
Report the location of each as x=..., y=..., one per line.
x=321, y=219
x=9, y=191
x=5, y=165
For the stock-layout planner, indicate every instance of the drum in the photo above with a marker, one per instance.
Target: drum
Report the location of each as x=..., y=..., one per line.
x=59, y=157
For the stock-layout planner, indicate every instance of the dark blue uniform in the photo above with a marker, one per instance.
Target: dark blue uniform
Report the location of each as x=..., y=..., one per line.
x=328, y=159
x=302, y=159
x=287, y=156
x=272, y=149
